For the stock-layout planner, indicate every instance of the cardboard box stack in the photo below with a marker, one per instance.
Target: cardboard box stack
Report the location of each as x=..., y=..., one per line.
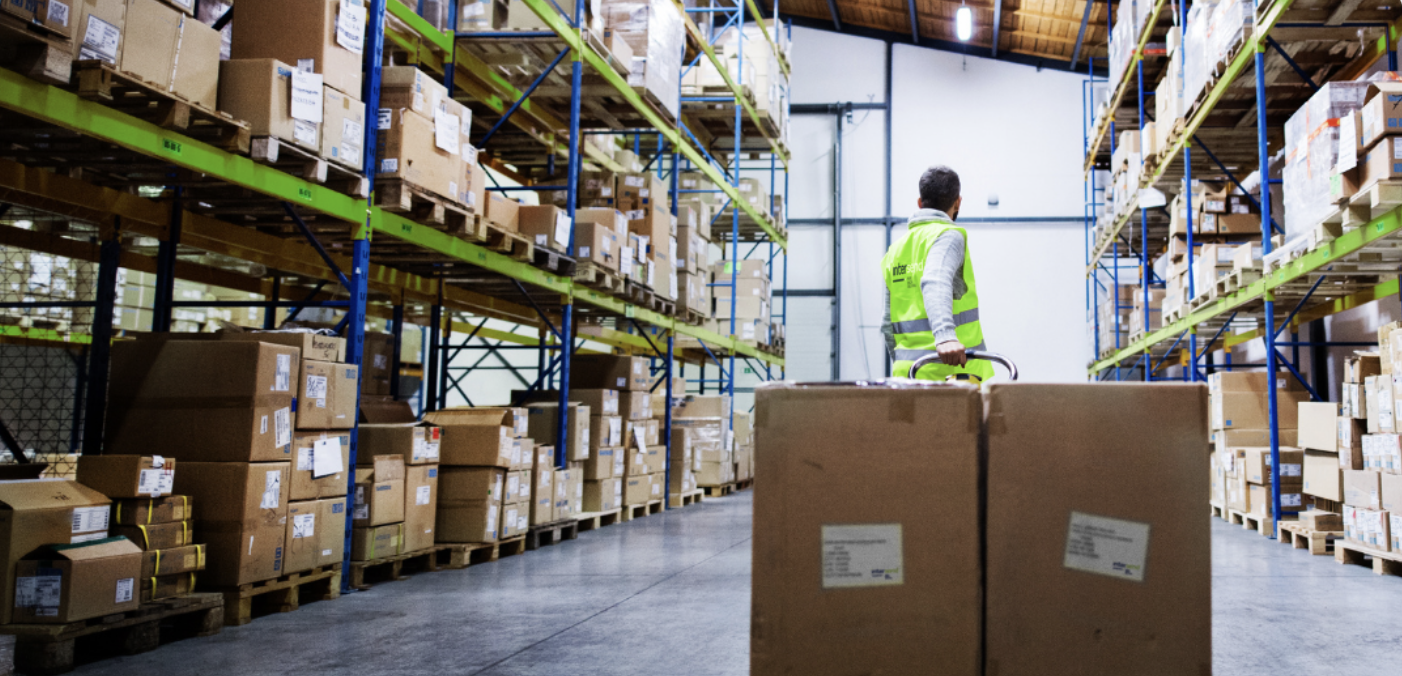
x=635, y=474
x=294, y=107
x=655, y=30
x=911, y=591
x=603, y=471
x=478, y=448
x=543, y=428
x=417, y=447
x=424, y=141
x=706, y=420
x=1113, y=317
x=744, y=447
x=752, y=295
x=36, y=277
x=1312, y=148
x=161, y=525
x=168, y=50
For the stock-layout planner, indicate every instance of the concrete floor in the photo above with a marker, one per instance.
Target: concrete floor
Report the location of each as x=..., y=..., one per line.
x=670, y=595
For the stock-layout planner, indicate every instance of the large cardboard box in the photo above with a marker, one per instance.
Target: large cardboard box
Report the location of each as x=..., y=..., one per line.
x=611, y=372
x=1251, y=410
x=98, y=26
x=547, y=225
x=305, y=32
x=67, y=583
x=1362, y=488
x=368, y=544
x=602, y=496
x=379, y=492
x=328, y=480
x=1256, y=466
x=420, y=506
x=34, y=513
x=241, y=515
x=127, y=476
x=152, y=510
x=150, y=35
x=158, y=535
x=544, y=426
x=635, y=405
x=850, y=580
x=1323, y=478
x=501, y=211
x=596, y=243
x=415, y=442
x=599, y=466
x=472, y=439
x=1318, y=425
x=259, y=91
x=376, y=364
x=201, y=400
x=1259, y=500
x=1115, y=545
x=187, y=559
x=408, y=150
x=328, y=396
x=605, y=431
x=313, y=346
x=600, y=402
x=316, y=534
x=469, y=504
x=343, y=130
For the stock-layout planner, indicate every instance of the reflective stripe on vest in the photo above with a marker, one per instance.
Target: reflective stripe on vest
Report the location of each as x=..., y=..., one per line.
x=923, y=325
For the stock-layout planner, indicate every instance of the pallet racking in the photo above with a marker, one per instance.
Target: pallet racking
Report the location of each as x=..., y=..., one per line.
x=134, y=194
x=1291, y=48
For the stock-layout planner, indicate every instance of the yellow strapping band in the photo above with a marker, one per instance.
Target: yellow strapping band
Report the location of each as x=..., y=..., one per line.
x=158, y=561
x=145, y=536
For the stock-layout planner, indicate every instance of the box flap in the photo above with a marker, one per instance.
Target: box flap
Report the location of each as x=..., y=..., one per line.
x=49, y=494
x=1383, y=87
x=88, y=551
x=387, y=411
x=501, y=417
x=389, y=468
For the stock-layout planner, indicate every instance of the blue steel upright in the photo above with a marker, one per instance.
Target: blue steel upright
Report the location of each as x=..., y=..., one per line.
x=1271, y=356
x=567, y=312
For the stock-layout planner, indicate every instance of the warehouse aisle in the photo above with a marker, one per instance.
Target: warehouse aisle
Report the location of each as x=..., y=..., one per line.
x=665, y=594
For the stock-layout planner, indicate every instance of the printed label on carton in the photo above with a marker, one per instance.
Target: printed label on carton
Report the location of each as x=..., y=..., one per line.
x=282, y=377
x=303, y=525
x=446, y=131
x=272, y=489
x=422, y=495
x=562, y=230
x=352, y=134
x=304, y=460
x=362, y=508
x=868, y=555
x=90, y=520
x=100, y=41
x=155, y=482
x=282, y=427
x=316, y=387
x=304, y=132
x=40, y=593
x=350, y=26
x=307, y=95
x=327, y=457
x=58, y=13
x=1106, y=546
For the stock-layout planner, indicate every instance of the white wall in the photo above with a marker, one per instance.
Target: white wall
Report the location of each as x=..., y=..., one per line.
x=1007, y=129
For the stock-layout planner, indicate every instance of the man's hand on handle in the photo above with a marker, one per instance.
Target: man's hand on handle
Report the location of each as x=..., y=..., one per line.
x=952, y=353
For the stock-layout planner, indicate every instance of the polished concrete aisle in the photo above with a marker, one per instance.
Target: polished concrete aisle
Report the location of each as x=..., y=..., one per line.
x=670, y=595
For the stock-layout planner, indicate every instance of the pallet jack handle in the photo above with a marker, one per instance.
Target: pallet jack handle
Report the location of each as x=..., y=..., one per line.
x=971, y=354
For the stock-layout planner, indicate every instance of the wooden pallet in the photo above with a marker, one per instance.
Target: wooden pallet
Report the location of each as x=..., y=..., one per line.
x=551, y=534
x=99, y=81
x=53, y=648
x=1383, y=563
x=554, y=262
x=686, y=499
x=689, y=316
x=744, y=484
x=309, y=166
x=595, y=520
x=1264, y=525
x=1318, y=543
x=719, y=491
x=1235, y=281
x=366, y=574
x=421, y=205
x=638, y=294
x=596, y=277
x=280, y=595
x=632, y=512
x=493, y=237
x=1374, y=199
x=34, y=51
x=1218, y=511
x=454, y=556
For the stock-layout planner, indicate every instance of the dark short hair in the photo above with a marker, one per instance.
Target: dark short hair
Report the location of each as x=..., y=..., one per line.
x=939, y=188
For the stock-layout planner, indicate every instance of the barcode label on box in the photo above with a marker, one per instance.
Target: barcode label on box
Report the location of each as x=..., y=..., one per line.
x=303, y=525
x=272, y=490
x=868, y=555
x=350, y=26
x=155, y=482
x=100, y=41
x=90, y=519
x=125, y=587
x=39, y=594
x=422, y=495
x=1106, y=546
x=58, y=13
x=282, y=377
x=282, y=427
x=316, y=387
x=304, y=459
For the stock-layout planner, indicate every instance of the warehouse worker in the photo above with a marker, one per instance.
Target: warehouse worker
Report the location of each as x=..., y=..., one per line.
x=931, y=297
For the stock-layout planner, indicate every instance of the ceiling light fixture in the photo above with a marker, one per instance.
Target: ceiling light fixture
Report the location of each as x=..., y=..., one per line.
x=964, y=23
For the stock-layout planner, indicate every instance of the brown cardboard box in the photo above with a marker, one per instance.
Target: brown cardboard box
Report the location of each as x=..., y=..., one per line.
x=1118, y=542
x=1318, y=425
x=523, y=490
x=305, y=484
x=94, y=579
x=1250, y=410
x=376, y=362
x=611, y=372
x=259, y=91
x=1390, y=492
x=509, y=514
x=302, y=31
x=201, y=400
x=343, y=131
x=127, y=476
x=196, y=76
x=1360, y=366
x=312, y=346
x=544, y=426
x=316, y=533
x=1381, y=114
x=420, y=506
x=368, y=544
x=596, y=243
x=469, y=504
x=415, y=442
x=635, y=405
x=384, y=410
x=637, y=489
x=543, y=486
x=605, y=431
x=1234, y=437
x=167, y=586
x=37, y=513
x=1246, y=381
x=1238, y=494
x=379, y=492
x=149, y=39
x=904, y=588
x=511, y=489
x=548, y=226
x=408, y=151
x=411, y=88
x=1350, y=442
x=152, y=510
x=470, y=439
x=1323, y=478
x=241, y=517
x=1380, y=163
x=501, y=211
x=599, y=466
x=1259, y=499
x=98, y=28
x=1321, y=521
x=187, y=559
x=158, y=535
x=1362, y=488
x=1256, y=466
x=602, y=496
x=327, y=395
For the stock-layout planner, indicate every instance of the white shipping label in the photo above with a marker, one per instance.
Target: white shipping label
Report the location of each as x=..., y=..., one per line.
x=282, y=377
x=263, y=429
x=58, y=12
x=100, y=41
x=304, y=460
x=385, y=120
x=446, y=130
x=381, y=361
x=1106, y=546
x=362, y=508
x=316, y=387
x=583, y=252
x=155, y=482
x=272, y=490
x=304, y=132
x=327, y=457
x=540, y=240
x=90, y=519
x=1291, y=470
x=282, y=427
x=306, y=97
x=352, y=138
x=303, y=525
x=1396, y=151
x=350, y=26
x=40, y=593
x=633, y=181
x=125, y=587
x=562, y=230
x=862, y=556
x=1348, y=159
x=1290, y=500
x=423, y=495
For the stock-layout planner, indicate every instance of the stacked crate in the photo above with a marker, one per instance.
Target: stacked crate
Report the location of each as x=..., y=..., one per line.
x=477, y=449
x=655, y=32
x=603, y=471
x=707, y=421
x=1113, y=317
x=751, y=308
x=693, y=256
x=543, y=424
x=744, y=447
x=639, y=462
x=415, y=446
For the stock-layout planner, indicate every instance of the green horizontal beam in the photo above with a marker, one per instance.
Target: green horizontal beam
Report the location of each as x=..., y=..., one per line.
x=440, y=40
x=46, y=335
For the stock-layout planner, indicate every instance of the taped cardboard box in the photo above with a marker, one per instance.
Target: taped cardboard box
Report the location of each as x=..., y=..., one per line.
x=543, y=487
x=379, y=491
x=158, y=535
x=544, y=426
x=611, y=372
x=343, y=131
x=420, y=506
x=469, y=504
x=98, y=26
x=377, y=361
x=1318, y=425
x=173, y=561
x=127, y=476
x=600, y=402
x=1259, y=500
x=324, y=36
x=475, y=439
x=1323, y=478
x=328, y=395
x=369, y=544
x=1362, y=488
x=202, y=400
x=599, y=466
x=43, y=513
x=67, y=583
x=635, y=405
x=415, y=442
x=319, y=470
x=152, y=510
x=1321, y=521
x=259, y=91
x=603, y=495
x=167, y=586
x=1256, y=466
x=316, y=533
x=547, y=225
x=409, y=151
x=596, y=243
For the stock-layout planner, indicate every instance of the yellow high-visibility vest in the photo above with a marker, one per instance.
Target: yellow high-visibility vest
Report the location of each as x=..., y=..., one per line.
x=903, y=266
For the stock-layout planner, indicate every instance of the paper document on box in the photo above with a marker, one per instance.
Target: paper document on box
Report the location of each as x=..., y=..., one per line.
x=326, y=457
